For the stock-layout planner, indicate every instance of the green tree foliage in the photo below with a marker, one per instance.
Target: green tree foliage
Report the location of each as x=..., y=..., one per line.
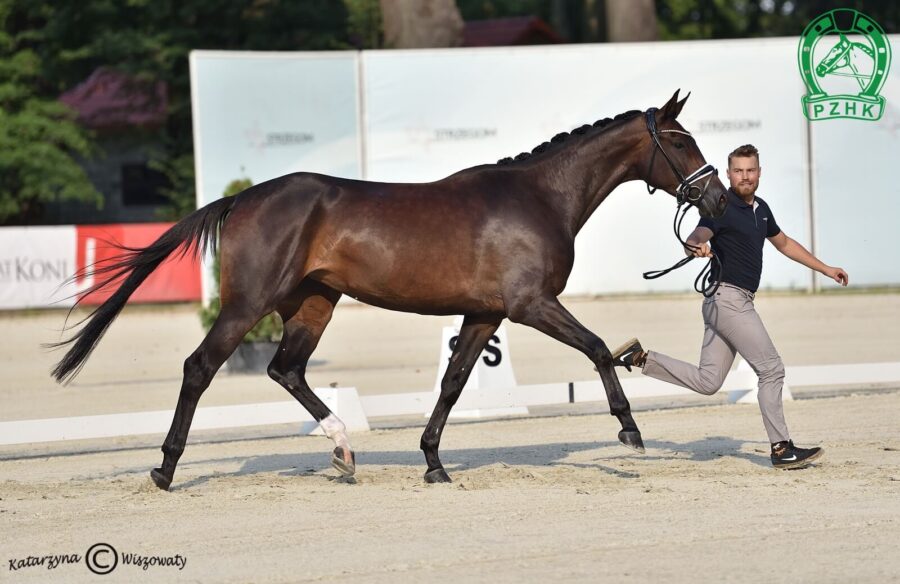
x=686, y=19
x=150, y=40
x=364, y=25
x=723, y=19
x=39, y=139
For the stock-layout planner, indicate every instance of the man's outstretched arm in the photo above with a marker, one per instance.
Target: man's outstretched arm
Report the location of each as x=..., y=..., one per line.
x=699, y=238
x=792, y=249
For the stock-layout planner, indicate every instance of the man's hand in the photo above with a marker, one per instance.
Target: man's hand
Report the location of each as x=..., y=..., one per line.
x=699, y=250
x=838, y=275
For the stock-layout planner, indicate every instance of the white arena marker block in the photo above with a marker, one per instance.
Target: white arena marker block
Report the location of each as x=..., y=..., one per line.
x=492, y=371
x=344, y=403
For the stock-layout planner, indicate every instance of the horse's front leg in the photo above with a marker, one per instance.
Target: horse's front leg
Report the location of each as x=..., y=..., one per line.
x=547, y=315
x=473, y=336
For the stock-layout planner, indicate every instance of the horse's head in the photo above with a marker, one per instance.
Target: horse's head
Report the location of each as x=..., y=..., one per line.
x=834, y=58
x=675, y=163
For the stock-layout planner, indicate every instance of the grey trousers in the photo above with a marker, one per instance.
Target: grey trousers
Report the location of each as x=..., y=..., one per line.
x=732, y=326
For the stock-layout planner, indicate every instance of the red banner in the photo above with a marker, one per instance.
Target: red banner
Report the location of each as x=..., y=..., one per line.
x=177, y=279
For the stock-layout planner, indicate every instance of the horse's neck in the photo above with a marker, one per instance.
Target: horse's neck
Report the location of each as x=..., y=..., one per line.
x=580, y=177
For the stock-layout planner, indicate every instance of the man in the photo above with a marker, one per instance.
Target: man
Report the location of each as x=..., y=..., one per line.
x=732, y=324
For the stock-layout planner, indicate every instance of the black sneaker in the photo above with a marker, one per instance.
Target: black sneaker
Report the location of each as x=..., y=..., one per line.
x=625, y=355
x=785, y=455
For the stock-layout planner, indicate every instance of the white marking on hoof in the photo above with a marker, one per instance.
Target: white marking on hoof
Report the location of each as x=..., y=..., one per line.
x=334, y=428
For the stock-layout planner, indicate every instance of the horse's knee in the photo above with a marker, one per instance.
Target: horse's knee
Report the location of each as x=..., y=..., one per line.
x=601, y=355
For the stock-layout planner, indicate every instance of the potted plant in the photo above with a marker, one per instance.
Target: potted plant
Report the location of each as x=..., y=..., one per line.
x=256, y=350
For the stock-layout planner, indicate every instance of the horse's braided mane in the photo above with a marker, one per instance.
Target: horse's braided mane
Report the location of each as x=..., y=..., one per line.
x=599, y=125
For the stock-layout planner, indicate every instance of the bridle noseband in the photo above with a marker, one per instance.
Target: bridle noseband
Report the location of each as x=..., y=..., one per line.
x=687, y=191
x=690, y=193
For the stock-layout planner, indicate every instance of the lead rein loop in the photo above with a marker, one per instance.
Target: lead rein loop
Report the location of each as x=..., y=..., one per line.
x=703, y=283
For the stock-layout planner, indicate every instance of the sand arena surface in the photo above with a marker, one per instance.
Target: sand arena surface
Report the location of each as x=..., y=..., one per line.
x=534, y=499
x=542, y=498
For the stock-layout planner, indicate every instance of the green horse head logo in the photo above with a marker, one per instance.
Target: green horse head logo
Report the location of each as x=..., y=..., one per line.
x=865, y=58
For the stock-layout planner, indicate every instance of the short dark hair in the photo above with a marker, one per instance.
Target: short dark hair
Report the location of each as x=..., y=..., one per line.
x=745, y=151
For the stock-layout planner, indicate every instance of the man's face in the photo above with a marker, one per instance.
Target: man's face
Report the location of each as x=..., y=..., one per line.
x=743, y=173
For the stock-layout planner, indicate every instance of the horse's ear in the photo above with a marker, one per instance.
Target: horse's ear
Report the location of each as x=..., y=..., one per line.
x=680, y=105
x=673, y=106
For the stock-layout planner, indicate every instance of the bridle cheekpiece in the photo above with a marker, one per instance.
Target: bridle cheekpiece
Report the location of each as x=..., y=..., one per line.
x=687, y=191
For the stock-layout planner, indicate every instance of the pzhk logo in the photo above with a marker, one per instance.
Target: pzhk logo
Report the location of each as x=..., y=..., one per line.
x=843, y=78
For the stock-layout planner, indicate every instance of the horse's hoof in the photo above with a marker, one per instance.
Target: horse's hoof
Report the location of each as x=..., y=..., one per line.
x=347, y=469
x=437, y=475
x=632, y=439
x=159, y=479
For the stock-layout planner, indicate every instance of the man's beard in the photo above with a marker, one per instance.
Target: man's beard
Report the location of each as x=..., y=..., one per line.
x=747, y=189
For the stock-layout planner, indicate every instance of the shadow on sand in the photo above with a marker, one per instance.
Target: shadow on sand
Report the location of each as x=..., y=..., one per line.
x=552, y=455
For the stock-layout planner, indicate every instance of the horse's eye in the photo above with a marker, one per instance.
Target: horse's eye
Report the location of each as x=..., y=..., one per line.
x=679, y=145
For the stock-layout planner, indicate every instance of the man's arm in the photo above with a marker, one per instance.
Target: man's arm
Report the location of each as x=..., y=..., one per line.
x=699, y=239
x=801, y=255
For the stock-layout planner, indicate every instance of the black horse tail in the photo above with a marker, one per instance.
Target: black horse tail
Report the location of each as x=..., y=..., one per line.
x=194, y=234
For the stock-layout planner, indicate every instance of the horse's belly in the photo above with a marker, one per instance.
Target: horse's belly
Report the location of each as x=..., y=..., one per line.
x=413, y=287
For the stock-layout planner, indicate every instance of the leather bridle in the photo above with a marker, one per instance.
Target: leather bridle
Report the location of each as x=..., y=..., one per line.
x=687, y=191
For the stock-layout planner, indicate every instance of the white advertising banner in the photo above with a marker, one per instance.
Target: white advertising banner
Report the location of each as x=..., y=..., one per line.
x=431, y=113
x=34, y=264
x=856, y=193
x=261, y=115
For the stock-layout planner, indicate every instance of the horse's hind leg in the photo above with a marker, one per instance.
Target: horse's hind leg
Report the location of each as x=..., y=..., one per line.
x=230, y=327
x=547, y=315
x=473, y=336
x=306, y=314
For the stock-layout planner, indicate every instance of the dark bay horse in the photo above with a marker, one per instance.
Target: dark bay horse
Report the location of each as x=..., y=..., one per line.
x=489, y=242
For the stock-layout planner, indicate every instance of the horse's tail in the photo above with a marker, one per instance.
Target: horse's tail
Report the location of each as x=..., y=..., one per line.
x=194, y=234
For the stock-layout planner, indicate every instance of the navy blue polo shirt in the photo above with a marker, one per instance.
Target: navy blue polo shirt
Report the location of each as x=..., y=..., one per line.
x=738, y=238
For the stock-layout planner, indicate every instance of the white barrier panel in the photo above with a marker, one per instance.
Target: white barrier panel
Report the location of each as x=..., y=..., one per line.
x=34, y=263
x=355, y=411
x=344, y=402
